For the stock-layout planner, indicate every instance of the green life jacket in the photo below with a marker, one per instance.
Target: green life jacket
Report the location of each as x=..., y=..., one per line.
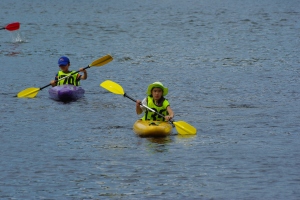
x=160, y=109
x=72, y=80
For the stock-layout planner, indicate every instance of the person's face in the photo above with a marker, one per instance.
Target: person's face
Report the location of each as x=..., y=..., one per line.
x=64, y=68
x=157, y=93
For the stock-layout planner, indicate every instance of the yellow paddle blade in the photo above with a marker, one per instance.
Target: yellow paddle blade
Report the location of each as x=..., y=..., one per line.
x=28, y=93
x=184, y=128
x=102, y=61
x=112, y=87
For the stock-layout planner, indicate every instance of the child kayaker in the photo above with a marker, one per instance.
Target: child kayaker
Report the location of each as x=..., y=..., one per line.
x=74, y=79
x=155, y=99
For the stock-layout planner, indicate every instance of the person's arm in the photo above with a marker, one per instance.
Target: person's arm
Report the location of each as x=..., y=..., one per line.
x=171, y=114
x=54, y=82
x=84, y=76
x=140, y=109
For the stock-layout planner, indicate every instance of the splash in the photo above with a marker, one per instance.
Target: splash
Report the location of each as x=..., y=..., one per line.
x=17, y=37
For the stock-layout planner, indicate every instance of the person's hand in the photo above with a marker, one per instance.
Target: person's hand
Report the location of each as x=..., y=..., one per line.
x=82, y=70
x=53, y=83
x=168, y=117
x=138, y=102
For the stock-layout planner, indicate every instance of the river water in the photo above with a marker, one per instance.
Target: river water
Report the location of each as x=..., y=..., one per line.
x=232, y=69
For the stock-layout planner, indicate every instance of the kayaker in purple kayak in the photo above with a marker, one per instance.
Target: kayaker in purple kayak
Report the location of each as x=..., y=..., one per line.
x=73, y=78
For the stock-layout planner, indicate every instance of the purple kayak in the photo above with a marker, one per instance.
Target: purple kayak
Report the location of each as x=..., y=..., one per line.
x=66, y=93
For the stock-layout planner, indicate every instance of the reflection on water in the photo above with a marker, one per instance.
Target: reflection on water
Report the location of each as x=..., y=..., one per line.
x=163, y=144
x=186, y=136
x=160, y=140
x=158, y=144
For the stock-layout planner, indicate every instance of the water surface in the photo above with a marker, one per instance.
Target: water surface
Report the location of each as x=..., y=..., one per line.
x=232, y=69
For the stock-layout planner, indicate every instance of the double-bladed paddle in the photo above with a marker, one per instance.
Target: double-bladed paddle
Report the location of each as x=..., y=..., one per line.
x=182, y=127
x=32, y=92
x=12, y=26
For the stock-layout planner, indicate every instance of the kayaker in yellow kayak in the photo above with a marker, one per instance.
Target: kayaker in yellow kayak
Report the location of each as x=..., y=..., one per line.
x=155, y=99
x=73, y=79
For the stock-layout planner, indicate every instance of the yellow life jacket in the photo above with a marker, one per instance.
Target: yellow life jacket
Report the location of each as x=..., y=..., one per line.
x=72, y=80
x=160, y=109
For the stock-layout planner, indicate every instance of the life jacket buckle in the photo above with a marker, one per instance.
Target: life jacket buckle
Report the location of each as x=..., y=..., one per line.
x=152, y=123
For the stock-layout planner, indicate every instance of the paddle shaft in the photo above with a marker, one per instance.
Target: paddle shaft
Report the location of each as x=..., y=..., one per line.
x=64, y=77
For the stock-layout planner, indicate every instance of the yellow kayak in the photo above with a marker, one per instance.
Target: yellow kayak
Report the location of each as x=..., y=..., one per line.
x=152, y=128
